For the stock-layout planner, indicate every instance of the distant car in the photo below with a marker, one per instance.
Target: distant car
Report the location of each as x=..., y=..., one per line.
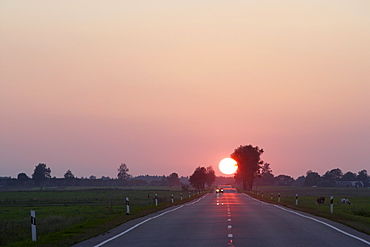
x=227, y=188
x=219, y=190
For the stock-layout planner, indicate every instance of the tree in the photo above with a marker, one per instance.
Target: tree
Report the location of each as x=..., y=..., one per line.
x=363, y=177
x=123, y=172
x=299, y=181
x=349, y=176
x=199, y=178
x=22, y=177
x=249, y=164
x=69, y=175
x=173, y=180
x=284, y=180
x=266, y=177
x=210, y=176
x=334, y=174
x=41, y=173
x=312, y=179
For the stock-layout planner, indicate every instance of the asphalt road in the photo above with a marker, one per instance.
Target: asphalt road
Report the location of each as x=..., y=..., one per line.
x=230, y=219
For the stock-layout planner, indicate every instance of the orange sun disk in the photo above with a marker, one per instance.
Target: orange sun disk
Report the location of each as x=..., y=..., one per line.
x=228, y=166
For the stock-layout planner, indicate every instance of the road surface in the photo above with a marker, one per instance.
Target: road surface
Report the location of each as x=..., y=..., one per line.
x=229, y=219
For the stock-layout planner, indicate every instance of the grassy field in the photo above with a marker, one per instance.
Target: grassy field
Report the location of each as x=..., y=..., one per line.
x=66, y=216
x=356, y=215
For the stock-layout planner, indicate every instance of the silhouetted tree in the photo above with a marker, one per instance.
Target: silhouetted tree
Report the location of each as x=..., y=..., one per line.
x=22, y=177
x=199, y=178
x=41, y=173
x=363, y=177
x=312, y=178
x=174, y=180
x=299, y=181
x=164, y=181
x=69, y=175
x=349, y=176
x=249, y=164
x=210, y=176
x=334, y=174
x=266, y=177
x=123, y=172
x=284, y=180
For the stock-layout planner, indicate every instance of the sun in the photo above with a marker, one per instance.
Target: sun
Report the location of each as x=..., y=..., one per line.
x=228, y=166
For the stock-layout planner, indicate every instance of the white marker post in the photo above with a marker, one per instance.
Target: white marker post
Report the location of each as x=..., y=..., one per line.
x=272, y=196
x=172, y=198
x=189, y=194
x=33, y=225
x=262, y=194
x=331, y=204
x=156, y=199
x=127, y=206
x=296, y=199
x=181, y=196
x=279, y=198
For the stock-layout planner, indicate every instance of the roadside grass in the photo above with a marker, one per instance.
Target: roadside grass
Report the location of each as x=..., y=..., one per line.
x=356, y=215
x=65, y=217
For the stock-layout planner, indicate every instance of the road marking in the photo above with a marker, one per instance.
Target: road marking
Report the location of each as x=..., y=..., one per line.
x=318, y=221
x=151, y=218
x=229, y=226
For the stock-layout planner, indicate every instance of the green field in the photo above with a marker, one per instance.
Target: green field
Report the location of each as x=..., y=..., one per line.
x=356, y=215
x=70, y=215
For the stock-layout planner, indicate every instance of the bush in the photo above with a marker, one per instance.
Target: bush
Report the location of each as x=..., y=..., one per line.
x=326, y=183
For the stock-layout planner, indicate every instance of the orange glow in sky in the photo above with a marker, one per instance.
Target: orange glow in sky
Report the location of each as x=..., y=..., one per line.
x=172, y=85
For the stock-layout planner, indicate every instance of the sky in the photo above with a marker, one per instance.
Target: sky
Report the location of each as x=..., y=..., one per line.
x=167, y=86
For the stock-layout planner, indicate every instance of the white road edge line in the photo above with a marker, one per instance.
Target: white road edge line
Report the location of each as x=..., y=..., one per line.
x=319, y=221
x=151, y=218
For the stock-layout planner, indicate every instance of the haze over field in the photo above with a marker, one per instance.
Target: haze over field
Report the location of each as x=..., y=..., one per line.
x=171, y=85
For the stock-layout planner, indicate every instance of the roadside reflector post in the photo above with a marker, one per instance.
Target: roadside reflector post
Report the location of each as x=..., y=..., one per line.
x=156, y=199
x=262, y=194
x=189, y=194
x=279, y=198
x=296, y=199
x=272, y=196
x=127, y=206
x=331, y=204
x=33, y=225
x=181, y=196
x=172, y=198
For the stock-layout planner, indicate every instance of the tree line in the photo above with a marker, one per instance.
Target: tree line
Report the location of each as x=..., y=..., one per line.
x=42, y=177
x=331, y=178
x=251, y=169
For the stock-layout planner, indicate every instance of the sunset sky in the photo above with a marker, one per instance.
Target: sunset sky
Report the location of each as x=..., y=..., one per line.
x=166, y=86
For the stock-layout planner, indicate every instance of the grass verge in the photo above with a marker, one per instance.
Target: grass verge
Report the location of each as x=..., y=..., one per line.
x=355, y=215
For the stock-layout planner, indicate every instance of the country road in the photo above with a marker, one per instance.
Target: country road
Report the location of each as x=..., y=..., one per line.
x=230, y=219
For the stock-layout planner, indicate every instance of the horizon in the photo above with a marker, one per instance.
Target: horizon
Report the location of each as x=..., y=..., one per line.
x=170, y=86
